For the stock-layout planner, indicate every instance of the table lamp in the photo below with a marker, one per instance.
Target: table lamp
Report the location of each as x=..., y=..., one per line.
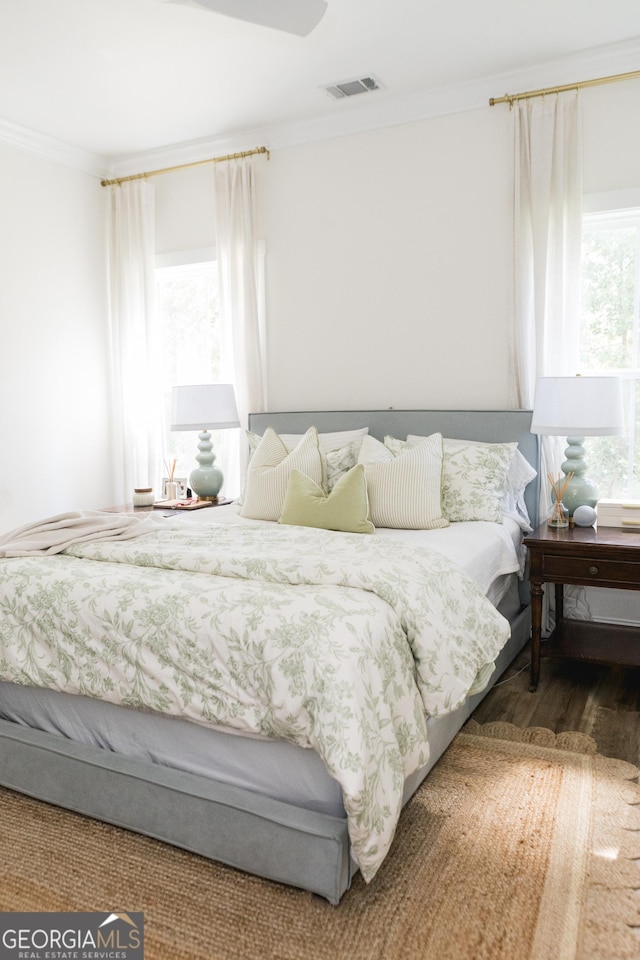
x=204, y=407
x=577, y=407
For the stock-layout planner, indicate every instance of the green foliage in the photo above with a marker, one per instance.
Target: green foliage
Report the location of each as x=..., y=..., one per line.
x=189, y=313
x=608, y=292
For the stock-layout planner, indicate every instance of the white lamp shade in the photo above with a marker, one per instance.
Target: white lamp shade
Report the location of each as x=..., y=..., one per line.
x=578, y=407
x=209, y=406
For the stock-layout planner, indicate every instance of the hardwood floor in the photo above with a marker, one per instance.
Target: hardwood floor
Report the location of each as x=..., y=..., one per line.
x=601, y=701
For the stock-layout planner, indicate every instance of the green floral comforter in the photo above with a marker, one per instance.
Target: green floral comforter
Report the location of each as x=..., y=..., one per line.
x=333, y=641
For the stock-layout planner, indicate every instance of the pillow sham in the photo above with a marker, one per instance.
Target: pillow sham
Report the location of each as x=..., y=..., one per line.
x=345, y=509
x=269, y=471
x=404, y=489
x=514, y=505
x=474, y=481
x=519, y=474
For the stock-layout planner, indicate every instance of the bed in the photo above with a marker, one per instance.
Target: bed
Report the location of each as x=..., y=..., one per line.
x=261, y=789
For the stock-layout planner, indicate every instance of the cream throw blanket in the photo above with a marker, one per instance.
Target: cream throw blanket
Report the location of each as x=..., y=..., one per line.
x=54, y=534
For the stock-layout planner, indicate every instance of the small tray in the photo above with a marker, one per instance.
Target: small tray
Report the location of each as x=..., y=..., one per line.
x=192, y=504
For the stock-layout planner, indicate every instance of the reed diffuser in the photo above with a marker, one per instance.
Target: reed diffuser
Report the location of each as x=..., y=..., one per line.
x=559, y=518
x=171, y=490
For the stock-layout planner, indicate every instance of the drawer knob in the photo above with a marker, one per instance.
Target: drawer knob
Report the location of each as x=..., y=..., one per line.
x=593, y=571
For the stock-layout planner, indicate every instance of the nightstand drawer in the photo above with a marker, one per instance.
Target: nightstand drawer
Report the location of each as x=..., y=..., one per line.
x=582, y=570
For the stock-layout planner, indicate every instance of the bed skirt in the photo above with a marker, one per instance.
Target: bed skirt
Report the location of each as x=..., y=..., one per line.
x=237, y=827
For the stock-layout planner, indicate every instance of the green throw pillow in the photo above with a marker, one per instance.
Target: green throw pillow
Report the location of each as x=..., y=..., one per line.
x=345, y=509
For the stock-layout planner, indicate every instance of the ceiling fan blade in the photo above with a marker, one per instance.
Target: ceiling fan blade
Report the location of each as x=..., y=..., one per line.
x=292, y=16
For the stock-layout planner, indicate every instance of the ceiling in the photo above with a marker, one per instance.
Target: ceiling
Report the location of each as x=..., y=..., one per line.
x=121, y=79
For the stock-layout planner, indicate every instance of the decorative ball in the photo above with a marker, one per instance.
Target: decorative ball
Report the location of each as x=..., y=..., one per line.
x=584, y=516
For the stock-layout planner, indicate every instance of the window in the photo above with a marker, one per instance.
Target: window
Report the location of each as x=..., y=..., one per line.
x=609, y=340
x=189, y=338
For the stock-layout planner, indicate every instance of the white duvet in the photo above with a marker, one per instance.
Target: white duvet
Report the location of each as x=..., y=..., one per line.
x=339, y=642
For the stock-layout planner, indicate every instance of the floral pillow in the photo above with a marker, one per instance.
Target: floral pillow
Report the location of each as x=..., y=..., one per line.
x=474, y=480
x=338, y=462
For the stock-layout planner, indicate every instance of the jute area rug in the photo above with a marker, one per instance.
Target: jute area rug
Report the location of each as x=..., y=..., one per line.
x=520, y=845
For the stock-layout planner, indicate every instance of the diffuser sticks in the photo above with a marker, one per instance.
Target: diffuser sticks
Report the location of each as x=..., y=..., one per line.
x=558, y=518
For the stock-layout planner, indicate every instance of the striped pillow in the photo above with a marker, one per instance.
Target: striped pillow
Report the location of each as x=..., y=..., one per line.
x=404, y=490
x=269, y=471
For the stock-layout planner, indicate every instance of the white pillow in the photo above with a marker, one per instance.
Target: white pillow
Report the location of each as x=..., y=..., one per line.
x=330, y=441
x=404, y=490
x=269, y=471
x=520, y=475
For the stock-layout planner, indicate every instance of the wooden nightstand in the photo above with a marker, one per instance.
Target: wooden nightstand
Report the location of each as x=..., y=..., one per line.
x=605, y=557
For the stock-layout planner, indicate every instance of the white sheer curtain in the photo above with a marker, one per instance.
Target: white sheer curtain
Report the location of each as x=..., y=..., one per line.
x=136, y=399
x=239, y=256
x=547, y=243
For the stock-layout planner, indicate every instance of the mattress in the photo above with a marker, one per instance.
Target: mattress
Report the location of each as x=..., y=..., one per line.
x=488, y=552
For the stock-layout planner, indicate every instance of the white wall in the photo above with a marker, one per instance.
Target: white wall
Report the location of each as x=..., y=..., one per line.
x=184, y=210
x=388, y=279
x=54, y=429
x=388, y=267
x=389, y=262
x=611, y=137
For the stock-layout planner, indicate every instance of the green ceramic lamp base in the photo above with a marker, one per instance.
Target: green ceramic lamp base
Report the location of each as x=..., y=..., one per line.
x=580, y=491
x=206, y=480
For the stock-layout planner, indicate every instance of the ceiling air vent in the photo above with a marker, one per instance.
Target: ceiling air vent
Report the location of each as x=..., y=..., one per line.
x=351, y=88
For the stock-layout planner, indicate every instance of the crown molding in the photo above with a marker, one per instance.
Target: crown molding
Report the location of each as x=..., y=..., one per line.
x=52, y=149
x=381, y=109
x=346, y=117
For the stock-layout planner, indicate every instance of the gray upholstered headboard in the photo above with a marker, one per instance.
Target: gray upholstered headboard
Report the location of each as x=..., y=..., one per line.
x=492, y=426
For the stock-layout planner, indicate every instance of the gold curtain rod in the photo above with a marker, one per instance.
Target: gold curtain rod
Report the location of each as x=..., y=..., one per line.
x=185, y=166
x=510, y=98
